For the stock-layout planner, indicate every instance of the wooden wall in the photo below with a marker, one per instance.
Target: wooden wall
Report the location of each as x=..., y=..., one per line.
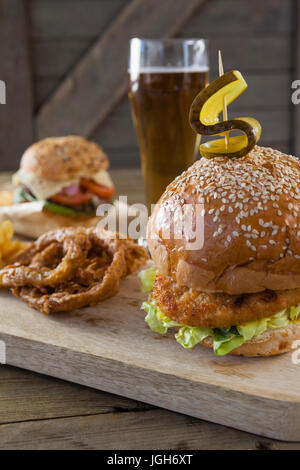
x=256, y=36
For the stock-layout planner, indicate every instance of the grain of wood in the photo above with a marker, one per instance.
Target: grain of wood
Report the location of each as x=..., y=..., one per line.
x=54, y=398
x=48, y=18
x=25, y=396
x=263, y=31
x=104, y=69
x=109, y=347
x=154, y=429
x=16, y=127
x=258, y=54
x=242, y=17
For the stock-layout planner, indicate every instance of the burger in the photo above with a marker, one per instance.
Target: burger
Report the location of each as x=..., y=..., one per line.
x=239, y=292
x=68, y=177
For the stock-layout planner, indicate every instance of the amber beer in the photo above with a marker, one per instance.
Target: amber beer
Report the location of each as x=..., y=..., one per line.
x=160, y=102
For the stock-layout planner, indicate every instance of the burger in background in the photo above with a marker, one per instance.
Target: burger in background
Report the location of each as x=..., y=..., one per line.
x=64, y=176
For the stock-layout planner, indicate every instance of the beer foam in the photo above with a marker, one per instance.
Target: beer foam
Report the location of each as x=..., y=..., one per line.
x=166, y=69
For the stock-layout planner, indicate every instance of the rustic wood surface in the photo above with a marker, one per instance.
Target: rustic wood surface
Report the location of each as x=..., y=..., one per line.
x=72, y=109
x=45, y=413
x=16, y=116
x=257, y=37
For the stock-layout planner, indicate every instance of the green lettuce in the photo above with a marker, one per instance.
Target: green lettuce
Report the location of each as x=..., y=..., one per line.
x=295, y=313
x=188, y=336
x=224, y=339
x=22, y=196
x=147, y=277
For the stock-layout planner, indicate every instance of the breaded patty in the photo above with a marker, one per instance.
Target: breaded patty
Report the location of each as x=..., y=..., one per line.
x=217, y=310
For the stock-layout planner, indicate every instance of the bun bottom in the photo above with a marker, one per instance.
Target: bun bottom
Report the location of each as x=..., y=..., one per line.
x=270, y=343
x=31, y=219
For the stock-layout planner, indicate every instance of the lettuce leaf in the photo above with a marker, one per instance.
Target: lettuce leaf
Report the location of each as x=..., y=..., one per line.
x=295, y=313
x=224, y=339
x=151, y=318
x=188, y=336
x=147, y=277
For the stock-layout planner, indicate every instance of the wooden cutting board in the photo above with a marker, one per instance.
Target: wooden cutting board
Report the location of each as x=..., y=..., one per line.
x=110, y=347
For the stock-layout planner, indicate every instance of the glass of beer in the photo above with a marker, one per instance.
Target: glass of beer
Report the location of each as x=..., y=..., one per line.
x=164, y=78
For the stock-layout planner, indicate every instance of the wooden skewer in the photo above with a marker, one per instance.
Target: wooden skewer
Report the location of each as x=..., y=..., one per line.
x=225, y=115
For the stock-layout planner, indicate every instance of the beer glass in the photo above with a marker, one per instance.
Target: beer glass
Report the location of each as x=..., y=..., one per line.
x=164, y=78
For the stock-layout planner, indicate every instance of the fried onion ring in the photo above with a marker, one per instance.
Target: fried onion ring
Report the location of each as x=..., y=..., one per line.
x=107, y=260
x=48, y=261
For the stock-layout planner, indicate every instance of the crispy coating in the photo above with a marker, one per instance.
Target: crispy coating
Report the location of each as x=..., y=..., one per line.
x=88, y=278
x=48, y=261
x=217, y=310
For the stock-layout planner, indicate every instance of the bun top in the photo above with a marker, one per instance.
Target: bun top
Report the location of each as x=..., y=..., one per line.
x=64, y=158
x=250, y=220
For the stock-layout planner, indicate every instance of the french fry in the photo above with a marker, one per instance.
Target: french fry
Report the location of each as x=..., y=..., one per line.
x=6, y=198
x=9, y=247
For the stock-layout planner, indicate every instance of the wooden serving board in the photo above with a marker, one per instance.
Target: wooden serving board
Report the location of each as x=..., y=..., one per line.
x=110, y=347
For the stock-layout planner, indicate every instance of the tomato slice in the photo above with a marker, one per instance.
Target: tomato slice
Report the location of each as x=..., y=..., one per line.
x=75, y=200
x=102, y=191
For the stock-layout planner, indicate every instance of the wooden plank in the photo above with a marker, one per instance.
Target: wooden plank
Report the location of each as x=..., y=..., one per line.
x=256, y=54
x=73, y=109
x=42, y=89
x=16, y=129
x=27, y=396
x=109, y=347
x=154, y=429
x=51, y=19
x=296, y=76
x=242, y=17
x=55, y=58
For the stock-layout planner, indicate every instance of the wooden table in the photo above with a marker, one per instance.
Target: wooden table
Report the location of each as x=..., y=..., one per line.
x=39, y=412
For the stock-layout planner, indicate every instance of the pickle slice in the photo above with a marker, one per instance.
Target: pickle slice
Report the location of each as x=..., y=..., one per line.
x=204, y=118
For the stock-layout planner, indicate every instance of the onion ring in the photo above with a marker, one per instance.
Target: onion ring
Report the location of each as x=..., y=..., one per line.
x=31, y=267
x=107, y=260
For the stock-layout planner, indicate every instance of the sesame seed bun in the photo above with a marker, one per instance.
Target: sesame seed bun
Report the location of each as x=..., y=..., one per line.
x=251, y=223
x=64, y=158
x=270, y=343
